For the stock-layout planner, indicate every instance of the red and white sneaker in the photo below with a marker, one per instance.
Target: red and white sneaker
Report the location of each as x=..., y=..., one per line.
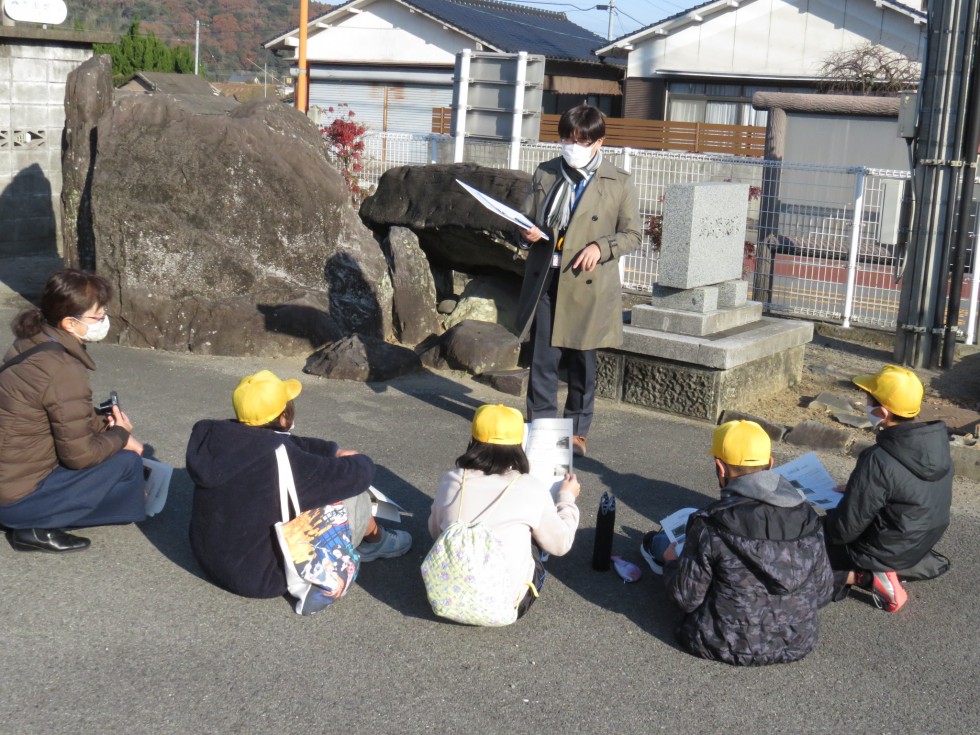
x=888, y=591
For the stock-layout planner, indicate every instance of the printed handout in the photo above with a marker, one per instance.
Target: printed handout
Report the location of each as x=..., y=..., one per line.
x=508, y=213
x=548, y=445
x=809, y=476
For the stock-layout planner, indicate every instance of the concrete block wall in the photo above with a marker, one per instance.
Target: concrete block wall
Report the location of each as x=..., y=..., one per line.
x=32, y=119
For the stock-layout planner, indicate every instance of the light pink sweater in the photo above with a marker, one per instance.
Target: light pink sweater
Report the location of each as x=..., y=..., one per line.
x=526, y=510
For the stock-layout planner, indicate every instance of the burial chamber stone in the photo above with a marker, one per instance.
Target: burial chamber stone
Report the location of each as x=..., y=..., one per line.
x=223, y=231
x=454, y=229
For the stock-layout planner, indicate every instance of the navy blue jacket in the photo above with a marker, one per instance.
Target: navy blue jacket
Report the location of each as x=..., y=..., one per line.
x=236, y=498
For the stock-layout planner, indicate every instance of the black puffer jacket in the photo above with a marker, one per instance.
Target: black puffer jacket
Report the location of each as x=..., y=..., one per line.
x=896, y=506
x=752, y=574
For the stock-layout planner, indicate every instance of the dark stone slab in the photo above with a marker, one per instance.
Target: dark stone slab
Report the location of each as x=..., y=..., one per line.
x=414, y=290
x=815, y=435
x=832, y=403
x=474, y=346
x=366, y=359
x=512, y=382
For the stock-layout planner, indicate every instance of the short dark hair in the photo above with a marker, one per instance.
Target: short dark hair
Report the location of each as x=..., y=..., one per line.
x=493, y=459
x=874, y=403
x=582, y=123
x=289, y=412
x=68, y=292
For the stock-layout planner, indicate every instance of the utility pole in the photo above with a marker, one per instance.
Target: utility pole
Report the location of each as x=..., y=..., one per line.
x=611, y=7
x=302, y=73
x=943, y=162
x=197, y=44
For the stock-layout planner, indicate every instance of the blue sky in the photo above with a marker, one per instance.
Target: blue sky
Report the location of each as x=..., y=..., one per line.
x=630, y=15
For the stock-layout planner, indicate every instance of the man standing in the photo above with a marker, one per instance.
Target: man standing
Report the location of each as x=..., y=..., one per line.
x=753, y=570
x=588, y=216
x=896, y=504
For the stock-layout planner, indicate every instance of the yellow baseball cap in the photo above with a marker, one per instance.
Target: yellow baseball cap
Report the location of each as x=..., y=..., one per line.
x=896, y=388
x=498, y=425
x=742, y=444
x=260, y=398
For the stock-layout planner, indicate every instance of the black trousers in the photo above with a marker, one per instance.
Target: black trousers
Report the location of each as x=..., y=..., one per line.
x=542, y=386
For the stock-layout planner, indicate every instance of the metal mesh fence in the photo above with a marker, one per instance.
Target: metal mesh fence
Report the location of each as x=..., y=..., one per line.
x=821, y=242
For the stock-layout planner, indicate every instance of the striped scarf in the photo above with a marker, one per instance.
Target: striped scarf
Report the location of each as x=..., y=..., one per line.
x=562, y=194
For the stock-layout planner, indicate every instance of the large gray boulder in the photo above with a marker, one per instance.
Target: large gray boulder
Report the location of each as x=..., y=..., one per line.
x=227, y=232
x=453, y=228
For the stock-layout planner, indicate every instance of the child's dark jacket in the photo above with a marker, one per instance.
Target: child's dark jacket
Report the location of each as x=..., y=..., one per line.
x=896, y=506
x=236, y=498
x=752, y=574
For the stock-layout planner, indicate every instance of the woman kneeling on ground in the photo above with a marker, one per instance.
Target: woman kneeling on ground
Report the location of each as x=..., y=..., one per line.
x=491, y=485
x=62, y=465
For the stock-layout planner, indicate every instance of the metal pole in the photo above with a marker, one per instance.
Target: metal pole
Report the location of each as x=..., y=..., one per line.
x=463, y=83
x=302, y=73
x=197, y=44
x=612, y=9
x=961, y=239
x=971, y=320
x=936, y=164
x=852, y=255
x=517, y=123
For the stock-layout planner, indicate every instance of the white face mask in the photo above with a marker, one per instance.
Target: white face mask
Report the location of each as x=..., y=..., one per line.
x=575, y=155
x=96, y=332
x=874, y=418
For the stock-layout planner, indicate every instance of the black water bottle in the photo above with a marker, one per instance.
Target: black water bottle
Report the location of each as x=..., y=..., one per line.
x=604, y=523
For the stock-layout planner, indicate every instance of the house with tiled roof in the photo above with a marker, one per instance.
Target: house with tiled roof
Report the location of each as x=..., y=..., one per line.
x=392, y=61
x=703, y=64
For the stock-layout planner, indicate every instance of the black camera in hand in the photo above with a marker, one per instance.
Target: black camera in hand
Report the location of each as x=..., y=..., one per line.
x=105, y=408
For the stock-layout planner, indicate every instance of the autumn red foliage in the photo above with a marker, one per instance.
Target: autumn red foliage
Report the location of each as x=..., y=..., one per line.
x=344, y=140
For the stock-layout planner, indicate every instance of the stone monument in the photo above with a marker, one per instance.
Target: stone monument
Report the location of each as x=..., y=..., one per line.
x=700, y=346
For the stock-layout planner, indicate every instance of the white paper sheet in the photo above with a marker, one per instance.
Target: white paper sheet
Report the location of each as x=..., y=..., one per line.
x=384, y=507
x=508, y=213
x=675, y=526
x=548, y=445
x=808, y=475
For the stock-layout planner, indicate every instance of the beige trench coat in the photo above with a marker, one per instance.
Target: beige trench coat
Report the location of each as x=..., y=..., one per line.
x=589, y=312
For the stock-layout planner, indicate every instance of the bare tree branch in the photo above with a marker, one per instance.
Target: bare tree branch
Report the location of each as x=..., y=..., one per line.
x=869, y=69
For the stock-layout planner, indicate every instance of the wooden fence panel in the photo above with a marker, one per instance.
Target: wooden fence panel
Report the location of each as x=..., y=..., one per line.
x=739, y=140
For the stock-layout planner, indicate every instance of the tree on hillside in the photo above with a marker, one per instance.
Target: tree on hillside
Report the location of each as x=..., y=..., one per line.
x=138, y=52
x=869, y=69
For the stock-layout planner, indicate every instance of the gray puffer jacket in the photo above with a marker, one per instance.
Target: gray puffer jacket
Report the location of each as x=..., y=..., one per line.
x=752, y=574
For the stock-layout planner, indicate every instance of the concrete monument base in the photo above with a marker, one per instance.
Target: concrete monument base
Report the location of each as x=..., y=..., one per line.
x=703, y=376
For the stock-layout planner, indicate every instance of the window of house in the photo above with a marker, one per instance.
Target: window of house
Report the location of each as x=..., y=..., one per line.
x=722, y=104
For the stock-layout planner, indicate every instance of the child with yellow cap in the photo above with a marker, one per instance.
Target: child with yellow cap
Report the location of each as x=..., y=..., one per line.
x=896, y=504
x=491, y=484
x=753, y=570
x=236, y=488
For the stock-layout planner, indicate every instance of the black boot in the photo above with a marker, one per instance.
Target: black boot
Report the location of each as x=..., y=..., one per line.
x=51, y=540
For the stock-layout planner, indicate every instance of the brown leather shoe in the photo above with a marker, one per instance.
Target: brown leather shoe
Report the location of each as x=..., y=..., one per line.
x=578, y=446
